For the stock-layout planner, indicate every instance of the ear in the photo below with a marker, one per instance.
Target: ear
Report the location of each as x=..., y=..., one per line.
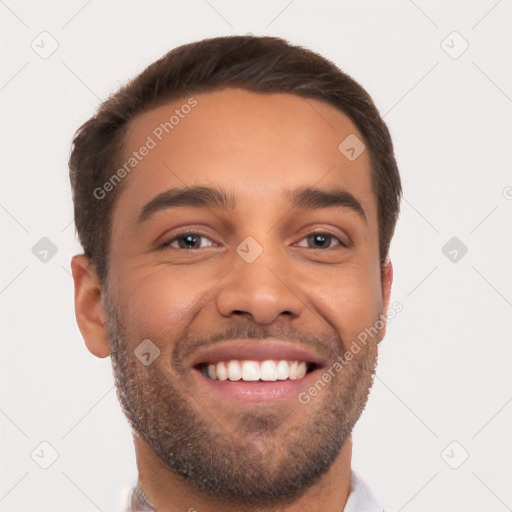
x=386, y=279
x=91, y=317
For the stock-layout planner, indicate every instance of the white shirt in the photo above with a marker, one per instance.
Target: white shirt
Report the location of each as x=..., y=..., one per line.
x=360, y=498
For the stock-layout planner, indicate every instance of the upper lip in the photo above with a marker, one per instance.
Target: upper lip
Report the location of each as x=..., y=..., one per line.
x=255, y=350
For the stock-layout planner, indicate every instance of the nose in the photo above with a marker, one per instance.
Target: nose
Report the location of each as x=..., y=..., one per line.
x=265, y=289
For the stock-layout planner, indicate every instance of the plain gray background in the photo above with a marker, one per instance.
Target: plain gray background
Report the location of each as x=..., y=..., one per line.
x=443, y=391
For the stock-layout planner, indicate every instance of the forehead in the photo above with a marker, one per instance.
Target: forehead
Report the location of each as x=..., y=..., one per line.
x=254, y=145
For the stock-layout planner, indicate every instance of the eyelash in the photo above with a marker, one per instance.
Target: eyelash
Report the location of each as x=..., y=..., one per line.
x=197, y=234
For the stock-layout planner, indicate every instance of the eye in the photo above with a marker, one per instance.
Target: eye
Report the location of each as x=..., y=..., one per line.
x=321, y=240
x=188, y=240
x=192, y=241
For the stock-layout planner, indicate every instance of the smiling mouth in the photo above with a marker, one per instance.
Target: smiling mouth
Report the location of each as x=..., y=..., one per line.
x=256, y=371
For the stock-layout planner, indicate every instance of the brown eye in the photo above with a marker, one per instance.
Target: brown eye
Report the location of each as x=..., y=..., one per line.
x=188, y=241
x=321, y=240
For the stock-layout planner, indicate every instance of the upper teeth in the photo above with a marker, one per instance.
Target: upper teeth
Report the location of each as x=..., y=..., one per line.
x=257, y=370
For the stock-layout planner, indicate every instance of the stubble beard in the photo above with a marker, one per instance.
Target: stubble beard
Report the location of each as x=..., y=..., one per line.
x=259, y=460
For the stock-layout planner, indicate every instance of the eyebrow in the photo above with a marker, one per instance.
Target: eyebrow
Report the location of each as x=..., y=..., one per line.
x=304, y=198
x=188, y=196
x=308, y=198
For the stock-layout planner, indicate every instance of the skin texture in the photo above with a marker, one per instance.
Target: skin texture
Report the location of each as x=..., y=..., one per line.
x=193, y=452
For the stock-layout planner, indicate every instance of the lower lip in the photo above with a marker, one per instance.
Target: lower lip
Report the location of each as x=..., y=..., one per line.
x=258, y=391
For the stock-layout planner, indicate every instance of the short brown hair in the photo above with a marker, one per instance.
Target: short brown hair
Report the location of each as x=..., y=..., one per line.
x=257, y=64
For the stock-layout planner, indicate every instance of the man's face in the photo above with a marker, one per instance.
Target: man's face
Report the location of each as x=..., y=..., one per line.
x=253, y=281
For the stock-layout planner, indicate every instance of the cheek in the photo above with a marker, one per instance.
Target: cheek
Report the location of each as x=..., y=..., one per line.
x=351, y=302
x=154, y=304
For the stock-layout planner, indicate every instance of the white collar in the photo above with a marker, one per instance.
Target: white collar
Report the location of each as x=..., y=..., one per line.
x=360, y=498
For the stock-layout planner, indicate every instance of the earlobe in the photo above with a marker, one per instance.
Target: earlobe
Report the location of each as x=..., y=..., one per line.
x=91, y=317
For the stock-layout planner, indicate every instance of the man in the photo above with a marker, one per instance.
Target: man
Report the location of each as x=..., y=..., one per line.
x=236, y=203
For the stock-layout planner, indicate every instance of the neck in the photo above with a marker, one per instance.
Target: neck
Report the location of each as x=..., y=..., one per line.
x=168, y=492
